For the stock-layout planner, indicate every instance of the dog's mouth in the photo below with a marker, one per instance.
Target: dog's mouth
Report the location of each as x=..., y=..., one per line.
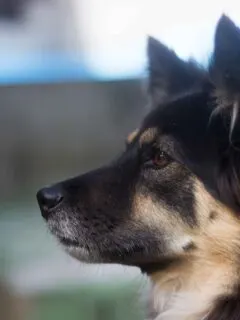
x=67, y=242
x=63, y=238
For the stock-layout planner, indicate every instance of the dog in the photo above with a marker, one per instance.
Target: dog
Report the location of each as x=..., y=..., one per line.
x=170, y=204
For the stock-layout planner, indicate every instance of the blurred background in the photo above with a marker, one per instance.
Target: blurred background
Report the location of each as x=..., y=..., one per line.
x=71, y=89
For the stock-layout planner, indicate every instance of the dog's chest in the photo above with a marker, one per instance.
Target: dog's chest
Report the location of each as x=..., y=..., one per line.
x=172, y=305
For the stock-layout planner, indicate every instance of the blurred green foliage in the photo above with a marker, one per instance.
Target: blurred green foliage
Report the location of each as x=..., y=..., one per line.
x=98, y=302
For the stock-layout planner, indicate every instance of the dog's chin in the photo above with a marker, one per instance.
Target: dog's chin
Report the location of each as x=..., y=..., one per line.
x=80, y=253
x=73, y=247
x=76, y=250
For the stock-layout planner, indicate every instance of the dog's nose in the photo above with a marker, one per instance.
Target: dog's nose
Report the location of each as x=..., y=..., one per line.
x=48, y=198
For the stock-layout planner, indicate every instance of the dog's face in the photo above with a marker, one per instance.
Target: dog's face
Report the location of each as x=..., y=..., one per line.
x=155, y=201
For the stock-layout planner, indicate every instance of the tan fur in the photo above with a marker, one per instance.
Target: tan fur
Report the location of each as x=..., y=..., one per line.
x=155, y=214
x=187, y=288
x=148, y=136
x=132, y=136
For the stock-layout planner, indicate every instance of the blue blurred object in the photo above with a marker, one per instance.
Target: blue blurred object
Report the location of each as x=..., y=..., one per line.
x=49, y=67
x=40, y=68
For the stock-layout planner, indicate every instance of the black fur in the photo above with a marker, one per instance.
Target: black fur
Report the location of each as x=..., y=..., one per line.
x=225, y=65
x=226, y=308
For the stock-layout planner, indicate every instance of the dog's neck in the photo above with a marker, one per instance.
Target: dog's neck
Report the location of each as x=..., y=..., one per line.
x=188, y=292
x=197, y=287
x=195, y=291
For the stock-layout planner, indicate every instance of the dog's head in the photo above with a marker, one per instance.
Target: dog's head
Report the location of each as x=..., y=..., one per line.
x=159, y=199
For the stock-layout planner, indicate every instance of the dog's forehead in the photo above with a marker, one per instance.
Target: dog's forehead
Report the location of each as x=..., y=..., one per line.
x=186, y=122
x=183, y=127
x=186, y=119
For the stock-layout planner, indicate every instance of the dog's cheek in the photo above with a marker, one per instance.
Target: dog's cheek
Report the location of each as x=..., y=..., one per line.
x=170, y=230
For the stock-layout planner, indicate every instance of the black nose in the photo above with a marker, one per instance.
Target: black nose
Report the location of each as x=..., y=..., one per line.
x=48, y=198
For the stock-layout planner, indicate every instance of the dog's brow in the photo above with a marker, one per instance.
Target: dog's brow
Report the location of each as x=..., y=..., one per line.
x=132, y=136
x=148, y=136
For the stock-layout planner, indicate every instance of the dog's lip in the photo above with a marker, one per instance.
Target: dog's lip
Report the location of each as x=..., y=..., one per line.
x=45, y=209
x=69, y=242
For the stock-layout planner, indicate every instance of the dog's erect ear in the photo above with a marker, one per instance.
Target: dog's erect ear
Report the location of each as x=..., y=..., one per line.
x=169, y=76
x=224, y=71
x=225, y=65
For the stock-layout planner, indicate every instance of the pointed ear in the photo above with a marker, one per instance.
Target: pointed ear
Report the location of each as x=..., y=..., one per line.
x=168, y=74
x=225, y=65
x=224, y=71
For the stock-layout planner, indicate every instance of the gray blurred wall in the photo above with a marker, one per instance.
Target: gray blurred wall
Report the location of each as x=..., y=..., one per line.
x=49, y=132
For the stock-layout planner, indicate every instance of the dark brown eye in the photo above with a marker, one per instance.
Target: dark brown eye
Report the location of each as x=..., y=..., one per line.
x=161, y=159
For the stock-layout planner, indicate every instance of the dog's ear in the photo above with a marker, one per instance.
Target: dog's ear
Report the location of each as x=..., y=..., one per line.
x=224, y=71
x=225, y=65
x=169, y=75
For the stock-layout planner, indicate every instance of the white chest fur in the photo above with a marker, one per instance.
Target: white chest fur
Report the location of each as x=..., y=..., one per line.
x=176, y=305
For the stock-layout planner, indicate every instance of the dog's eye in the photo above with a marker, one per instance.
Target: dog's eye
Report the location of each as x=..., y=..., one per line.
x=160, y=159
x=154, y=158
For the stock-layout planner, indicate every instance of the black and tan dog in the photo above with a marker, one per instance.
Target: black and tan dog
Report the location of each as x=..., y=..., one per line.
x=171, y=203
